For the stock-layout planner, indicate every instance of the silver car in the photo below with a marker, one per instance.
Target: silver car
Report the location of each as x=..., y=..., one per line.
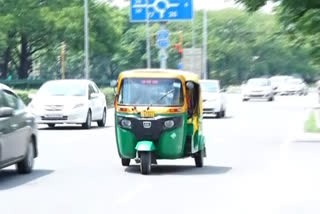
x=18, y=132
x=69, y=102
x=214, y=102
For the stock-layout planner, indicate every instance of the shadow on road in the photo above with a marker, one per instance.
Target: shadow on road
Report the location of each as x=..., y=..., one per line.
x=181, y=170
x=11, y=179
x=215, y=118
x=67, y=128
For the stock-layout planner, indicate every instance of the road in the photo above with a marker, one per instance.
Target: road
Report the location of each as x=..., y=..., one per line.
x=253, y=166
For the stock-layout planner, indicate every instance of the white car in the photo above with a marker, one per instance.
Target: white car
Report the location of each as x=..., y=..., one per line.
x=258, y=88
x=214, y=102
x=69, y=102
x=294, y=86
x=278, y=81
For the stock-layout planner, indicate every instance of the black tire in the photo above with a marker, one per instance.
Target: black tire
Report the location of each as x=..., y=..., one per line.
x=198, y=158
x=125, y=162
x=87, y=124
x=25, y=166
x=271, y=99
x=102, y=122
x=218, y=115
x=245, y=100
x=145, y=165
x=51, y=125
x=223, y=113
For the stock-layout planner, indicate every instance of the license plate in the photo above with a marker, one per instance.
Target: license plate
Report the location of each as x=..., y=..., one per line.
x=54, y=116
x=147, y=114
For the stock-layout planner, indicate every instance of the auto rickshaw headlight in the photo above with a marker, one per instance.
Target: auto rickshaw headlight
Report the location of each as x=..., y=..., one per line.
x=169, y=124
x=126, y=124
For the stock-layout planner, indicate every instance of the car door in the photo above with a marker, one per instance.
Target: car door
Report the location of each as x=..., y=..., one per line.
x=5, y=134
x=93, y=101
x=101, y=102
x=20, y=131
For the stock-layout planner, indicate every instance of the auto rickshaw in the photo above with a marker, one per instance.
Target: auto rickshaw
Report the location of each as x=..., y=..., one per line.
x=158, y=115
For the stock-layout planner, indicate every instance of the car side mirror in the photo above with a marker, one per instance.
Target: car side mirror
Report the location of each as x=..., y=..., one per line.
x=114, y=83
x=93, y=95
x=6, y=112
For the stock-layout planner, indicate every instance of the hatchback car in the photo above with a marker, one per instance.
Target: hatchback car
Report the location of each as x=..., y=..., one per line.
x=214, y=102
x=69, y=102
x=294, y=86
x=258, y=88
x=18, y=132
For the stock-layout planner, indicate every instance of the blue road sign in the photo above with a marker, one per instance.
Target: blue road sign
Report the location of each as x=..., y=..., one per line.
x=163, y=44
x=162, y=35
x=163, y=41
x=161, y=10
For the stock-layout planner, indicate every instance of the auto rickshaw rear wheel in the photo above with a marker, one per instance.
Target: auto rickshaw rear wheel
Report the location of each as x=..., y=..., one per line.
x=198, y=158
x=125, y=162
x=145, y=165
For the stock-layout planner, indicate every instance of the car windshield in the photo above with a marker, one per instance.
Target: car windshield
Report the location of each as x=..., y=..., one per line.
x=209, y=87
x=63, y=89
x=155, y=92
x=258, y=82
x=294, y=82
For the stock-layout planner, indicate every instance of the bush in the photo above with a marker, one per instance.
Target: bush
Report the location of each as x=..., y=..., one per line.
x=311, y=123
x=109, y=94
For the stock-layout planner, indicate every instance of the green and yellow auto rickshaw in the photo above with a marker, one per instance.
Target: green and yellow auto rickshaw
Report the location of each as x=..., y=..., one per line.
x=158, y=115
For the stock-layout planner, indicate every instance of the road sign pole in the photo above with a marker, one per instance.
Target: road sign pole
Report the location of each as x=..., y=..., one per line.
x=148, y=35
x=163, y=52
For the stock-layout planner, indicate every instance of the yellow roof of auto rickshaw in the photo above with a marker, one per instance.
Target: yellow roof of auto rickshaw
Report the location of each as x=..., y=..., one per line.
x=160, y=73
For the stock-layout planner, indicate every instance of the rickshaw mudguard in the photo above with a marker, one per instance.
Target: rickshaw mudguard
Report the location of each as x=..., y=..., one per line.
x=145, y=146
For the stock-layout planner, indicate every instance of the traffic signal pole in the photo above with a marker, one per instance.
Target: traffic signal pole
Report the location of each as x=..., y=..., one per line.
x=148, y=36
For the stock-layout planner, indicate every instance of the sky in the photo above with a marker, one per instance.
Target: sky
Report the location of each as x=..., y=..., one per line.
x=209, y=4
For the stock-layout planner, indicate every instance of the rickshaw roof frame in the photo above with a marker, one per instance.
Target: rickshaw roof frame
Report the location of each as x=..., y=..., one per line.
x=157, y=73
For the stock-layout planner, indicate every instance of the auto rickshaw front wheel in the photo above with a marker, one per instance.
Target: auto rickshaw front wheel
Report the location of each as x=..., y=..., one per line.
x=145, y=165
x=198, y=158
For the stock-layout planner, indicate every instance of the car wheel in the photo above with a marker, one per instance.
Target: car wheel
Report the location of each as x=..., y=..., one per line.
x=51, y=125
x=87, y=124
x=25, y=166
x=271, y=99
x=198, y=158
x=125, y=162
x=245, y=100
x=102, y=122
x=145, y=165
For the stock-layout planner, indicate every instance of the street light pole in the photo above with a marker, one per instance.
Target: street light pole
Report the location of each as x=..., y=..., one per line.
x=205, y=40
x=86, y=39
x=148, y=35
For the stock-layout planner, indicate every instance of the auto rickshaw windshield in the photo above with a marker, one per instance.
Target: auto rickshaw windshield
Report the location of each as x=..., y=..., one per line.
x=151, y=91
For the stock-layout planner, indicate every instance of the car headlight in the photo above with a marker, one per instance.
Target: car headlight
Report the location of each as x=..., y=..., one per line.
x=79, y=105
x=169, y=124
x=126, y=124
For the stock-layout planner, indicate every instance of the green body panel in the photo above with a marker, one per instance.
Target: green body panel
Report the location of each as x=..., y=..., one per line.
x=145, y=146
x=126, y=142
x=170, y=145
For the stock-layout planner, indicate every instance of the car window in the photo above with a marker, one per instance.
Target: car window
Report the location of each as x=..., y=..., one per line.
x=12, y=101
x=2, y=100
x=91, y=89
x=95, y=87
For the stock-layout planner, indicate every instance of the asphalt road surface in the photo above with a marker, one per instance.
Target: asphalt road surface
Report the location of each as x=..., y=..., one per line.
x=253, y=166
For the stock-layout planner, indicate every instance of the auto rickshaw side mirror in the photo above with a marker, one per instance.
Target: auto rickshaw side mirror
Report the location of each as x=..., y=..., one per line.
x=190, y=85
x=114, y=83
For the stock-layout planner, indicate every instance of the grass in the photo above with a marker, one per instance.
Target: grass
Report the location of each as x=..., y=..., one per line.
x=311, y=124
